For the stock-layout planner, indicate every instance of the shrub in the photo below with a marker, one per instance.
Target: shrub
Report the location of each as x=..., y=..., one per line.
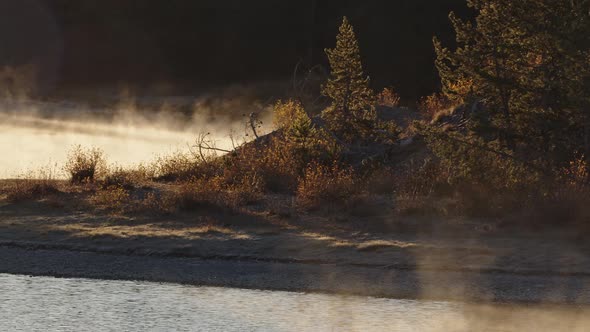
x=196, y=194
x=422, y=179
x=153, y=202
x=471, y=159
x=266, y=161
x=485, y=177
x=122, y=178
x=568, y=198
x=420, y=187
x=381, y=181
x=176, y=166
x=388, y=97
x=434, y=104
x=576, y=175
x=212, y=193
x=326, y=186
x=280, y=165
x=113, y=198
x=85, y=165
x=286, y=112
x=279, y=159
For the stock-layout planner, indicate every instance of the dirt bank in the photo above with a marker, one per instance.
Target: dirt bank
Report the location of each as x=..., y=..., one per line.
x=307, y=253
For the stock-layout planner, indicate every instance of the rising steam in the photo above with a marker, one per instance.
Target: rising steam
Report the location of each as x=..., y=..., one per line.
x=33, y=133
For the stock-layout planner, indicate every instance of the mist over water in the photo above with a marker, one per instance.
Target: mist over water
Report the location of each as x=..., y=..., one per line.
x=35, y=135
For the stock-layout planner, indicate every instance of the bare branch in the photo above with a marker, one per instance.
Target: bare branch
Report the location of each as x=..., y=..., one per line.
x=203, y=144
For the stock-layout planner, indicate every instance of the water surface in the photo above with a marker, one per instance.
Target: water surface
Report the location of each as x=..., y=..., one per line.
x=50, y=304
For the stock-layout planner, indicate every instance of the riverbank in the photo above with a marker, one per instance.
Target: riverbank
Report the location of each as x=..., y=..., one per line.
x=301, y=277
x=273, y=247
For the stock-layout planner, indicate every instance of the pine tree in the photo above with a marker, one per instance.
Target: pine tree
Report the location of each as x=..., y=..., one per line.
x=528, y=62
x=351, y=115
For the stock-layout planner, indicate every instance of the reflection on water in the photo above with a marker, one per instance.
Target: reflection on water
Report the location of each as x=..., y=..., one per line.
x=48, y=304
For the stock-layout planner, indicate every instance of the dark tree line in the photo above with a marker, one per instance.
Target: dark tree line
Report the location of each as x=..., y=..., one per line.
x=213, y=42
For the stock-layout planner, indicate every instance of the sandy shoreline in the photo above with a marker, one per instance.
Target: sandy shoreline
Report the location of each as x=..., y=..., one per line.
x=301, y=277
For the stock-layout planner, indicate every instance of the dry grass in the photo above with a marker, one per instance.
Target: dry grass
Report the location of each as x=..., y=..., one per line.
x=154, y=203
x=115, y=199
x=326, y=186
x=276, y=164
x=177, y=166
x=122, y=178
x=33, y=185
x=208, y=194
x=29, y=190
x=196, y=194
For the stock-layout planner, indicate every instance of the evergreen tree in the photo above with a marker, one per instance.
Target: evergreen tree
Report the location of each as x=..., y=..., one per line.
x=351, y=115
x=528, y=62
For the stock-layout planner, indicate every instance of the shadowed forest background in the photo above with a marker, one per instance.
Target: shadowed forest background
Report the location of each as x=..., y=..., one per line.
x=208, y=43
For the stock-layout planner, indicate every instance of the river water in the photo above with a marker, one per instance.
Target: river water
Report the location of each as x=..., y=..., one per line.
x=50, y=304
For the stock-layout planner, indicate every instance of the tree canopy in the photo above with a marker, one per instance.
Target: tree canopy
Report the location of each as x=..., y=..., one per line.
x=528, y=63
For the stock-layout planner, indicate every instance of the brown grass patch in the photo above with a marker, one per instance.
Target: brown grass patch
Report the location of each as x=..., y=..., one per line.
x=174, y=167
x=122, y=178
x=115, y=199
x=325, y=187
x=33, y=185
x=30, y=189
x=214, y=193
